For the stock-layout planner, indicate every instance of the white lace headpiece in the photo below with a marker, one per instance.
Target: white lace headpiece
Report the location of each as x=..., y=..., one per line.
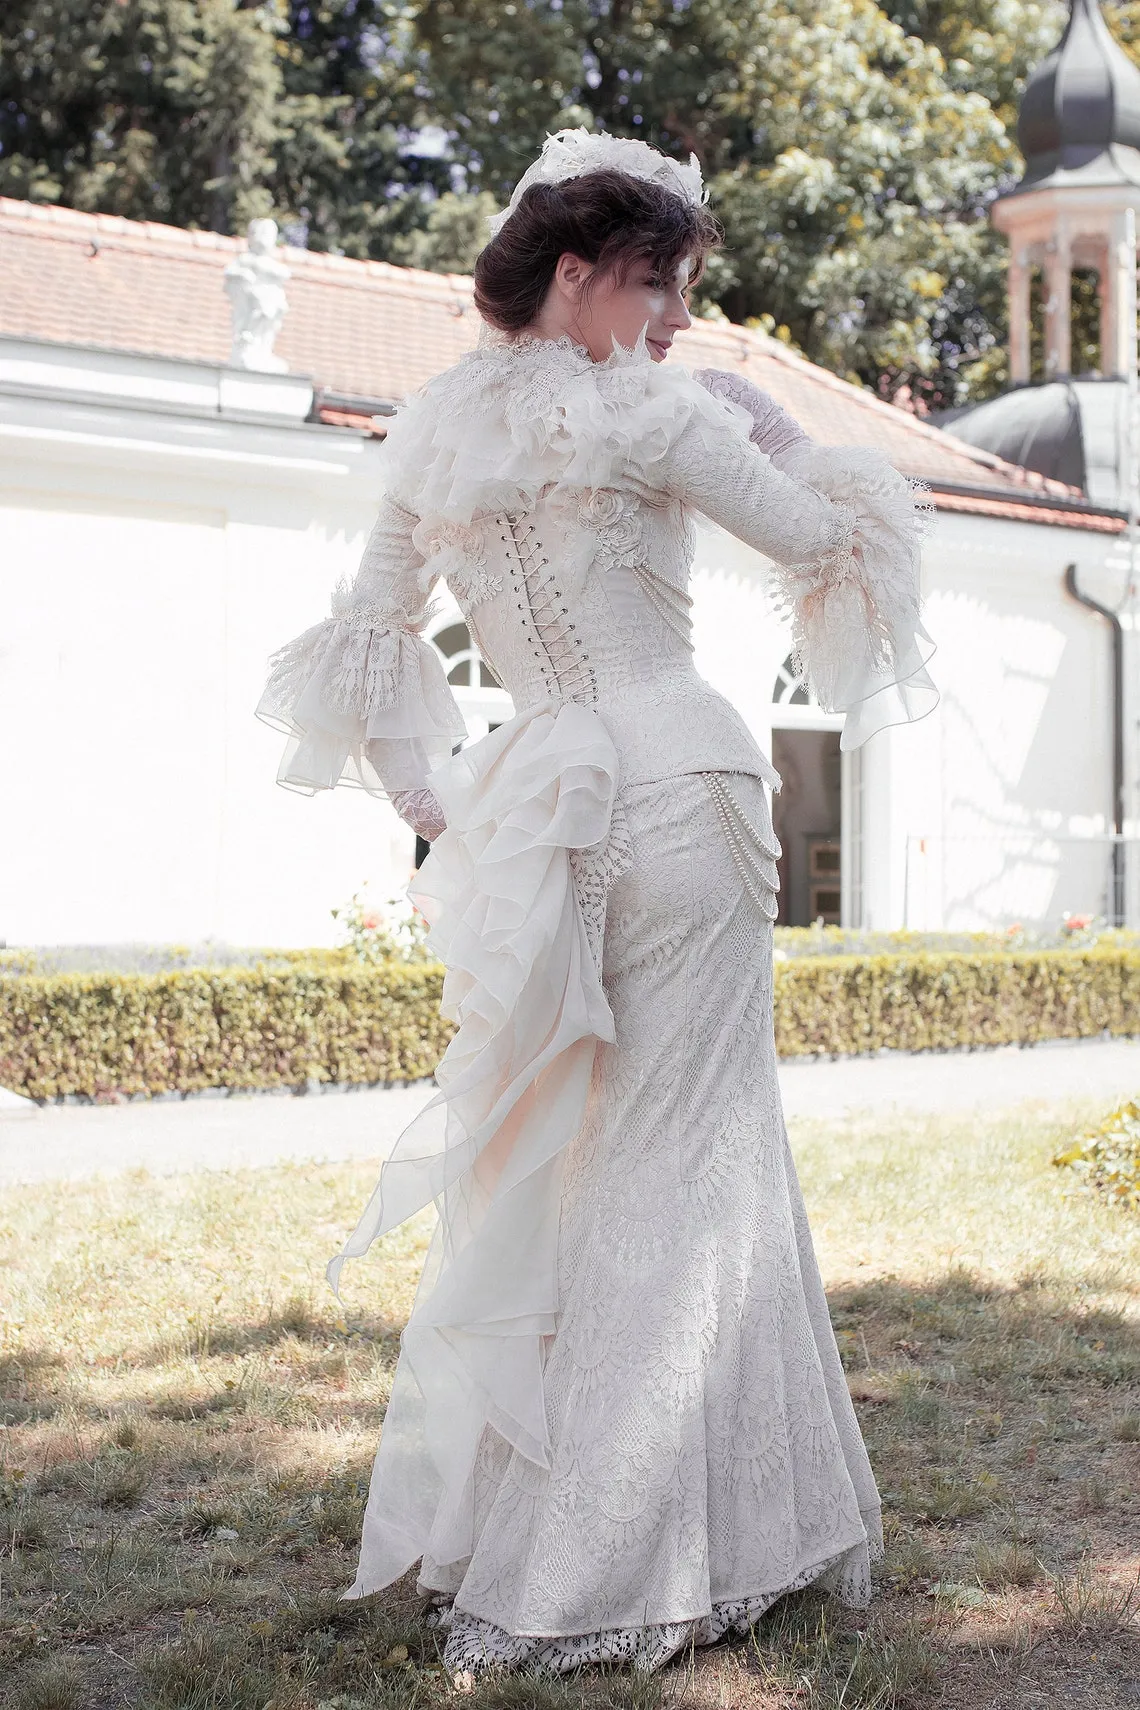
x=571, y=153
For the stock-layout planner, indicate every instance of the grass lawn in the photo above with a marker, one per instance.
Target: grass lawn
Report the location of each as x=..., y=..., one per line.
x=189, y=1426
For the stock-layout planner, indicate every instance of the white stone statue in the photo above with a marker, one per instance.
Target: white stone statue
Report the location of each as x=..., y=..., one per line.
x=255, y=285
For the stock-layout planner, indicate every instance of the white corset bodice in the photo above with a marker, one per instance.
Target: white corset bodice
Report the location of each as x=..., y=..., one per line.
x=585, y=598
x=554, y=495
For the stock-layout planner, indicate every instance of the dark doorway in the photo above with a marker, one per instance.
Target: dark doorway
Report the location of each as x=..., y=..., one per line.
x=807, y=817
x=423, y=847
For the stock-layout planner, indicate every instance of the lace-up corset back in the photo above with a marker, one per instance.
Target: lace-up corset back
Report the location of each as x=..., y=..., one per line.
x=587, y=600
x=531, y=633
x=582, y=618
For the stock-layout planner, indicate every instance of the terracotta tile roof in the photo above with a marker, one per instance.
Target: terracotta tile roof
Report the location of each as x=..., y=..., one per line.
x=364, y=330
x=371, y=425
x=1059, y=516
x=358, y=328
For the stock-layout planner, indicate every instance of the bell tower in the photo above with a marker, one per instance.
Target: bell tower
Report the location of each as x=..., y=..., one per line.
x=1079, y=131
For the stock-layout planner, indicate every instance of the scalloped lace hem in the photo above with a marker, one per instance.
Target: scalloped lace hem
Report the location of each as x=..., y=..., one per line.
x=475, y=1645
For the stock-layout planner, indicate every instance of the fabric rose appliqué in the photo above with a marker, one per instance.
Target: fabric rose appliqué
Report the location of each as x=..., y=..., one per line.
x=613, y=517
x=459, y=553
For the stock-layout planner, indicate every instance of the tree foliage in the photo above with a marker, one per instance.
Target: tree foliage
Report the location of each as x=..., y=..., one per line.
x=346, y=166
x=852, y=147
x=160, y=109
x=851, y=153
x=209, y=112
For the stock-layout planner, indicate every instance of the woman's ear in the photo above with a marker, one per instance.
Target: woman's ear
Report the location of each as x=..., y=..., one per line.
x=570, y=274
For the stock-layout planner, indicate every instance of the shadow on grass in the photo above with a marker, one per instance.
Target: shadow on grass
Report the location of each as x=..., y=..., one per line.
x=295, y=1320
x=187, y=1548
x=1031, y=1331
x=40, y=1384
x=32, y=1385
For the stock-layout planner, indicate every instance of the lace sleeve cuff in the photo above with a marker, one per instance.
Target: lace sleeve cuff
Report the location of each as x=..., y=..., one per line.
x=857, y=635
x=422, y=810
x=364, y=700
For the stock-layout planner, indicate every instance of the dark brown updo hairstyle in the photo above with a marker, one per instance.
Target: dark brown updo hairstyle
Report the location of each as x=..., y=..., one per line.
x=607, y=217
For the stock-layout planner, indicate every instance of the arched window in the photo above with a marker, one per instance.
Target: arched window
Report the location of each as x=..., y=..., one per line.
x=483, y=701
x=465, y=668
x=790, y=690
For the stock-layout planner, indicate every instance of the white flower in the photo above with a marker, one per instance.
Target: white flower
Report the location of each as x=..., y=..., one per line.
x=457, y=540
x=613, y=517
x=599, y=506
x=459, y=553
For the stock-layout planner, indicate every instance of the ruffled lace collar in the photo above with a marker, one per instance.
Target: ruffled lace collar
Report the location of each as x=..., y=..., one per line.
x=527, y=347
x=521, y=414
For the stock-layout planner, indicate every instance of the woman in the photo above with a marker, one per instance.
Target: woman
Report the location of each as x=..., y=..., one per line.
x=619, y=1420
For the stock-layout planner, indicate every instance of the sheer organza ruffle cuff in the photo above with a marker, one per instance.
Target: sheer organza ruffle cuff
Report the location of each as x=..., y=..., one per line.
x=858, y=639
x=364, y=700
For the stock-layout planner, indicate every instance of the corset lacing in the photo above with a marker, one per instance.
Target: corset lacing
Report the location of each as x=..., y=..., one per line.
x=563, y=661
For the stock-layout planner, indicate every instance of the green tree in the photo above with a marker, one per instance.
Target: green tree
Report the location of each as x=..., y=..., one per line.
x=160, y=109
x=453, y=233
x=353, y=101
x=857, y=222
x=207, y=112
x=850, y=168
x=988, y=46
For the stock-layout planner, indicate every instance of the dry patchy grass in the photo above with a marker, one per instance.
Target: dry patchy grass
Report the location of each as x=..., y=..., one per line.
x=190, y=1423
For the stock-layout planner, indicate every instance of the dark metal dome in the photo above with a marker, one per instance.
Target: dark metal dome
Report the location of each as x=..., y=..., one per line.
x=1080, y=115
x=1067, y=429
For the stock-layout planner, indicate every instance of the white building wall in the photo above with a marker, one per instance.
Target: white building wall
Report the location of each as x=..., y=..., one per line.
x=150, y=563
x=1011, y=786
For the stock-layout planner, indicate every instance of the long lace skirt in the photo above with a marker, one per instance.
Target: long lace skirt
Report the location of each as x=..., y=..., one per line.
x=706, y=1455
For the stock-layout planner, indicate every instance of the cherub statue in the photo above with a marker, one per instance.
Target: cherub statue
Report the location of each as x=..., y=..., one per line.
x=255, y=285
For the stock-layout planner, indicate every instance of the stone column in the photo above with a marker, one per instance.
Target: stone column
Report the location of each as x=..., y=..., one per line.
x=1107, y=297
x=1018, y=287
x=1058, y=306
x=1118, y=302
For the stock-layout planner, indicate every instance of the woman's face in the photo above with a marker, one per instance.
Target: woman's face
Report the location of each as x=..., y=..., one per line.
x=647, y=298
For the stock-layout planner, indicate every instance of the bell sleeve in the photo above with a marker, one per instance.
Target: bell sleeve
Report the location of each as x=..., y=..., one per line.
x=843, y=530
x=362, y=697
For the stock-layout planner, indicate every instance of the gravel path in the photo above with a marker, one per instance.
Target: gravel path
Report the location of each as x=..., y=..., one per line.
x=74, y=1142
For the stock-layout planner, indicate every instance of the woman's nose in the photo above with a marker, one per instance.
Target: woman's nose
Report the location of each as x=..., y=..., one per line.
x=679, y=315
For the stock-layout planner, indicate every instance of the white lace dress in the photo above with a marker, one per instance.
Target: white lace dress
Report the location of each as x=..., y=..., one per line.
x=619, y=1420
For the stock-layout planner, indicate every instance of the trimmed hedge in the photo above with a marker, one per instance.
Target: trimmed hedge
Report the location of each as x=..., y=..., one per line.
x=99, y=1035
x=102, y=1034
x=936, y=1002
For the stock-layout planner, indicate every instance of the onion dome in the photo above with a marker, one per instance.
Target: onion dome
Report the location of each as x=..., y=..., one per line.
x=1069, y=430
x=1079, y=121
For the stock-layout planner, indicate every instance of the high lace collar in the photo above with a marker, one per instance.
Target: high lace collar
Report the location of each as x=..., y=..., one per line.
x=520, y=414
x=533, y=346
